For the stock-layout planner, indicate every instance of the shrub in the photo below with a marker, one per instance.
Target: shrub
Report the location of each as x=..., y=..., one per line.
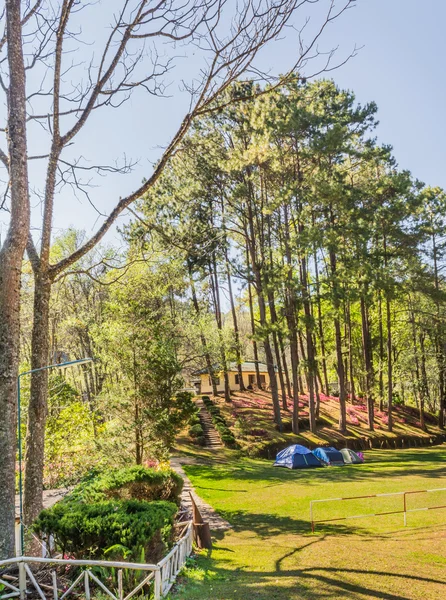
x=135, y=482
x=126, y=529
x=196, y=430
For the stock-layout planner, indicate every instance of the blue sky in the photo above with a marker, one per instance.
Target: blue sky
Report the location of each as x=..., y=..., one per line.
x=400, y=67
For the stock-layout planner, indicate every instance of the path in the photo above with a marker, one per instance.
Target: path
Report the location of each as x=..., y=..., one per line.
x=216, y=522
x=211, y=435
x=50, y=497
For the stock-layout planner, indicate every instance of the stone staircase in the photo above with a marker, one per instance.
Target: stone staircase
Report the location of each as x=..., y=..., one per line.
x=211, y=435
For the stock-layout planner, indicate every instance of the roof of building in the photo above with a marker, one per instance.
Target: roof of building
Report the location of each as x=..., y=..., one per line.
x=248, y=366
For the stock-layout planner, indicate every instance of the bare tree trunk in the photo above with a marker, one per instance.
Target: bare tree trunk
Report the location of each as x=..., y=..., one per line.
x=213, y=277
x=11, y=255
x=381, y=354
x=291, y=312
x=338, y=340
x=424, y=384
x=235, y=323
x=310, y=346
x=37, y=411
x=284, y=363
x=253, y=325
x=325, y=389
x=389, y=366
x=350, y=354
x=367, y=351
x=209, y=365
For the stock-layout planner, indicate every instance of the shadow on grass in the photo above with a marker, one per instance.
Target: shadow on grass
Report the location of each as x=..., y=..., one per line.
x=267, y=525
x=224, y=583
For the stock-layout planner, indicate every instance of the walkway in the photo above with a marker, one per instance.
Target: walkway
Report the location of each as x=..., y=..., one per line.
x=216, y=522
x=50, y=497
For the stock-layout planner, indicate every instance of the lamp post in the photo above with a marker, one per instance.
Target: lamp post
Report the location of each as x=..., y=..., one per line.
x=64, y=365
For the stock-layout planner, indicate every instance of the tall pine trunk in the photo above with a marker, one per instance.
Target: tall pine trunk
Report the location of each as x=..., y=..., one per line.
x=367, y=353
x=209, y=365
x=235, y=324
x=11, y=255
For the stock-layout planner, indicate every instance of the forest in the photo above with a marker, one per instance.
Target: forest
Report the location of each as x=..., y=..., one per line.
x=280, y=231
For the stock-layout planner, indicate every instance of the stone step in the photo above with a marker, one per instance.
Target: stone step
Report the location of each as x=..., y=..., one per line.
x=211, y=435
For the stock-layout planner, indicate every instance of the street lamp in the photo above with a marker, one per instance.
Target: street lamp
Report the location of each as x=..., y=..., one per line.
x=64, y=365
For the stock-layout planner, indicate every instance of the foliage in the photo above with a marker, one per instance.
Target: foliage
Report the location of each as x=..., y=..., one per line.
x=132, y=482
x=96, y=530
x=120, y=513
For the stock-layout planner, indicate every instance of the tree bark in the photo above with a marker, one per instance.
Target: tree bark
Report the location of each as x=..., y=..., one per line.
x=37, y=411
x=209, y=365
x=235, y=323
x=367, y=352
x=11, y=255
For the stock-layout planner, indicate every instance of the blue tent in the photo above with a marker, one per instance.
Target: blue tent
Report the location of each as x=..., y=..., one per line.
x=297, y=457
x=329, y=455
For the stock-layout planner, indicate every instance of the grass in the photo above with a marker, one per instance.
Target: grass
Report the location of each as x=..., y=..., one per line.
x=271, y=554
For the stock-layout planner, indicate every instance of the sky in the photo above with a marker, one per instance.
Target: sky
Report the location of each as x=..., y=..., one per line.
x=399, y=66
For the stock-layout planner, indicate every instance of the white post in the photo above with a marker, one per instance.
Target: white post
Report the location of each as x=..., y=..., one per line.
x=87, y=585
x=157, y=589
x=22, y=580
x=120, y=588
x=55, y=594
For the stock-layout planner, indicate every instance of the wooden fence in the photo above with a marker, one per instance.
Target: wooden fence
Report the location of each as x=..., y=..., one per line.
x=159, y=577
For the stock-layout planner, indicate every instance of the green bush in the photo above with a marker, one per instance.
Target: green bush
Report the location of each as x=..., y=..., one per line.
x=135, y=482
x=125, y=529
x=196, y=431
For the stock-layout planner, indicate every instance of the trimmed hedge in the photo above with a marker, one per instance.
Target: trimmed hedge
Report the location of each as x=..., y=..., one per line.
x=227, y=437
x=115, y=529
x=136, y=482
x=196, y=430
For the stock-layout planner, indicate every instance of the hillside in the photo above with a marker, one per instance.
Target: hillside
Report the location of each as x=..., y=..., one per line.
x=250, y=417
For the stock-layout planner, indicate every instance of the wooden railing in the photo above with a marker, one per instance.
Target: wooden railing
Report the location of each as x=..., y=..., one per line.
x=160, y=577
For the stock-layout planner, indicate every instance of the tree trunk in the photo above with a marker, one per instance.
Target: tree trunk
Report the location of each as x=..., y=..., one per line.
x=38, y=402
x=350, y=354
x=253, y=324
x=381, y=354
x=209, y=364
x=11, y=255
x=284, y=364
x=215, y=287
x=311, y=359
x=235, y=323
x=320, y=326
x=389, y=366
x=367, y=352
x=424, y=384
x=291, y=314
x=338, y=342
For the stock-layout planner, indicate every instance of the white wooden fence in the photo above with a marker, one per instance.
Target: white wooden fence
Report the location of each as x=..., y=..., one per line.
x=160, y=577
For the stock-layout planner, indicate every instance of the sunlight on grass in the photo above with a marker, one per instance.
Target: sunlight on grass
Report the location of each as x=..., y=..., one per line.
x=270, y=552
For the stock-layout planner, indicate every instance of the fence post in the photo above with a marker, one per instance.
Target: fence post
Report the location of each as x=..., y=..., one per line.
x=157, y=587
x=120, y=586
x=311, y=516
x=405, y=509
x=22, y=580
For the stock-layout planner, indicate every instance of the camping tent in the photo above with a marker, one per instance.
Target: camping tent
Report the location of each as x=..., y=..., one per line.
x=297, y=457
x=350, y=457
x=329, y=455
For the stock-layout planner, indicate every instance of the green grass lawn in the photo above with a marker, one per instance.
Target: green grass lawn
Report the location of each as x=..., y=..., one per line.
x=271, y=554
